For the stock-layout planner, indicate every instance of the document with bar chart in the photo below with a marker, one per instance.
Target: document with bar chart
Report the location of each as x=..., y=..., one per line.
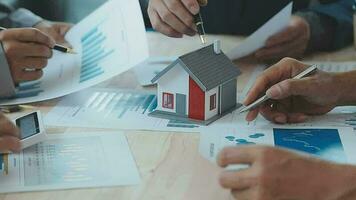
x=112, y=108
x=64, y=161
x=108, y=42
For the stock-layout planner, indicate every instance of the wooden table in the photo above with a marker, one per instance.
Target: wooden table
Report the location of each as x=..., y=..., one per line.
x=169, y=163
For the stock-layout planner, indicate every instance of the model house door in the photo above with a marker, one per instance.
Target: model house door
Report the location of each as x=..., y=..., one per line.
x=181, y=104
x=196, y=101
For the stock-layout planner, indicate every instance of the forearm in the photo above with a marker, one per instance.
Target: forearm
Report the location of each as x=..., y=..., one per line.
x=346, y=88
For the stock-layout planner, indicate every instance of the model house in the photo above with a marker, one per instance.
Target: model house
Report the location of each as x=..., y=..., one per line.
x=199, y=86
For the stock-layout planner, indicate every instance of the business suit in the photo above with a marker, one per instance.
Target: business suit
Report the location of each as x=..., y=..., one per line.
x=11, y=18
x=331, y=25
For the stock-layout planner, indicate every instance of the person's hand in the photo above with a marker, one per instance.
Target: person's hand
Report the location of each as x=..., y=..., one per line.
x=27, y=51
x=290, y=42
x=9, y=136
x=173, y=18
x=276, y=174
x=293, y=100
x=57, y=30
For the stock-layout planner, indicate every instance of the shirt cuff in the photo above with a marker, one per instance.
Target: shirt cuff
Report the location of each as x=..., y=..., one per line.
x=7, y=87
x=322, y=30
x=24, y=18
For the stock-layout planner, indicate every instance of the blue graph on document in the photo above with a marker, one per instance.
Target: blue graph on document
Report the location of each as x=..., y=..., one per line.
x=181, y=124
x=93, y=53
x=324, y=143
x=135, y=103
x=120, y=105
x=28, y=89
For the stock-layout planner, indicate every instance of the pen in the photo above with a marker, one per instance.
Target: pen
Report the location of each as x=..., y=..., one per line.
x=200, y=27
x=57, y=47
x=199, y=22
x=263, y=99
x=64, y=49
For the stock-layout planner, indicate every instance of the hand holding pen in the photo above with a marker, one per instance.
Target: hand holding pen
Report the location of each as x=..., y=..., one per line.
x=175, y=18
x=294, y=91
x=27, y=51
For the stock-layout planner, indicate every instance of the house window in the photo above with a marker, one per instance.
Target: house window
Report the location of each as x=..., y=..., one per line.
x=213, y=102
x=168, y=100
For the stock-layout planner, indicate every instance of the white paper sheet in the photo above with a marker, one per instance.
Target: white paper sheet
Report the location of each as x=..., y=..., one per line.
x=251, y=81
x=339, y=117
x=109, y=41
x=258, y=39
x=65, y=161
x=334, y=144
x=148, y=69
x=335, y=66
x=112, y=108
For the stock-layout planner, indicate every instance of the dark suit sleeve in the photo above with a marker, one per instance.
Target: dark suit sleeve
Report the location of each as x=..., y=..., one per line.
x=11, y=18
x=15, y=18
x=331, y=25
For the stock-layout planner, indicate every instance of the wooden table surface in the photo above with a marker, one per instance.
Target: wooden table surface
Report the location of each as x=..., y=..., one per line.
x=169, y=163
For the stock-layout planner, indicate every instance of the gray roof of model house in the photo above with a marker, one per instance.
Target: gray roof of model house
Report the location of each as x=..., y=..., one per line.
x=205, y=67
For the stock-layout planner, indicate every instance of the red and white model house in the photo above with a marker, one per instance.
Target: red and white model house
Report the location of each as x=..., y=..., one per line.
x=198, y=87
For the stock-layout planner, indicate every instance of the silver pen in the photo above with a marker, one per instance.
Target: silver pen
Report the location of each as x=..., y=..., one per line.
x=263, y=99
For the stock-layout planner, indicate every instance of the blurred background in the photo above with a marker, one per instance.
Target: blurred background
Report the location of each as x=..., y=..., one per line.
x=74, y=10
x=61, y=10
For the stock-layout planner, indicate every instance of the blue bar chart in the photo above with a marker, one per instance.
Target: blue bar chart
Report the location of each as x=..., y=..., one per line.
x=121, y=104
x=93, y=53
x=113, y=108
x=181, y=124
x=28, y=89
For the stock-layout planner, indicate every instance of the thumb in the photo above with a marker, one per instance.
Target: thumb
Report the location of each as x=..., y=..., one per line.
x=288, y=88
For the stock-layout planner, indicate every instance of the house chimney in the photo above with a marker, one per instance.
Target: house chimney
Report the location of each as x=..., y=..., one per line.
x=217, y=46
